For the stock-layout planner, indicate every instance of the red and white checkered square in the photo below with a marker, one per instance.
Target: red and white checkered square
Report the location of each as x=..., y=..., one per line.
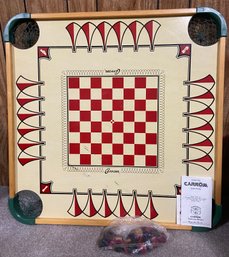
x=113, y=121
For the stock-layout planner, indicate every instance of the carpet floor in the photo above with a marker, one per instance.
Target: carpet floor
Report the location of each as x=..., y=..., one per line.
x=21, y=240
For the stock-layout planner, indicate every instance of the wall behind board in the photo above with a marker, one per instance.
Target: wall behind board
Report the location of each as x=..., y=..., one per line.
x=10, y=8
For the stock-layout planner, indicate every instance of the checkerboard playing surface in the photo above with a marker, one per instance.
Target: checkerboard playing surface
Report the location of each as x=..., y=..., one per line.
x=113, y=121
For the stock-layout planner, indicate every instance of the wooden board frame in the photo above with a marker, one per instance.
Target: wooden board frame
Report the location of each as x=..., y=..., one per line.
x=156, y=14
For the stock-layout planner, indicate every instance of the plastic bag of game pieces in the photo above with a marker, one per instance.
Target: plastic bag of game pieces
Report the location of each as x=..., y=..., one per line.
x=132, y=236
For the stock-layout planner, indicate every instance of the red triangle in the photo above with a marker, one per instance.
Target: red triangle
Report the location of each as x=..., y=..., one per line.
x=23, y=132
x=23, y=101
x=205, y=158
x=24, y=161
x=22, y=86
x=138, y=211
x=123, y=212
x=93, y=211
x=24, y=146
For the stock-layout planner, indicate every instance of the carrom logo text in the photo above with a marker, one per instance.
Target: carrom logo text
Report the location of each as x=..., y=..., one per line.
x=115, y=72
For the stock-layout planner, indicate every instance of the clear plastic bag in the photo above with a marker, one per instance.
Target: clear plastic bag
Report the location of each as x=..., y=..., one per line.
x=132, y=236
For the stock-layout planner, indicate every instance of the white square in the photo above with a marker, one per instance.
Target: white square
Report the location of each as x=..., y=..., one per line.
x=151, y=149
x=140, y=93
x=140, y=116
x=85, y=126
x=117, y=93
x=139, y=138
x=106, y=105
x=117, y=115
x=85, y=82
x=151, y=105
x=117, y=160
x=96, y=116
x=74, y=137
x=152, y=82
x=117, y=138
x=128, y=127
x=96, y=93
x=96, y=159
x=73, y=93
x=128, y=149
x=74, y=116
x=139, y=160
x=129, y=105
x=106, y=148
x=85, y=148
x=129, y=82
x=106, y=126
x=74, y=159
x=85, y=105
x=151, y=127
x=96, y=138
x=107, y=82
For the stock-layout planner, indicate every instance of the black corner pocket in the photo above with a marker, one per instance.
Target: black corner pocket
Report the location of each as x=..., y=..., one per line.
x=27, y=204
x=24, y=33
x=204, y=29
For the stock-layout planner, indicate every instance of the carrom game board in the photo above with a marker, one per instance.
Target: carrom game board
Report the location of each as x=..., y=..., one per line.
x=108, y=110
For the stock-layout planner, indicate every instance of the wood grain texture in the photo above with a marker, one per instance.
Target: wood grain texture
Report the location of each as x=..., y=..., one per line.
x=41, y=6
x=173, y=4
x=81, y=5
x=118, y=5
x=8, y=9
x=3, y=121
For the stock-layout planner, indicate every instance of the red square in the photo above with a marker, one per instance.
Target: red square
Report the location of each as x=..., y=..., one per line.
x=151, y=93
x=106, y=93
x=106, y=115
x=128, y=115
x=85, y=159
x=117, y=82
x=151, y=138
x=73, y=82
x=74, y=126
x=85, y=115
x=74, y=105
x=106, y=159
x=128, y=138
x=106, y=137
x=74, y=148
x=128, y=160
x=117, y=148
x=139, y=127
x=85, y=93
x=151, y=160
x=139, y=149
x=117, y=105
x=96, y=148
x=140, y=105
x=96, y=105
x=129, y=93
x=96, y=83
x=151, y=116
x=118, y=127
x=96, y=126
x=140, y=82
x=85, y=137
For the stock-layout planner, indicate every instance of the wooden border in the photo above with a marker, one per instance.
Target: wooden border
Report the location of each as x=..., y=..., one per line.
x=114, y=14
x=219, y=120
x=11, y=122
x=95, y=222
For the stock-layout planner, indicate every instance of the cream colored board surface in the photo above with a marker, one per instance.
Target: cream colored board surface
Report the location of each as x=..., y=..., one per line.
x=163, y=62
